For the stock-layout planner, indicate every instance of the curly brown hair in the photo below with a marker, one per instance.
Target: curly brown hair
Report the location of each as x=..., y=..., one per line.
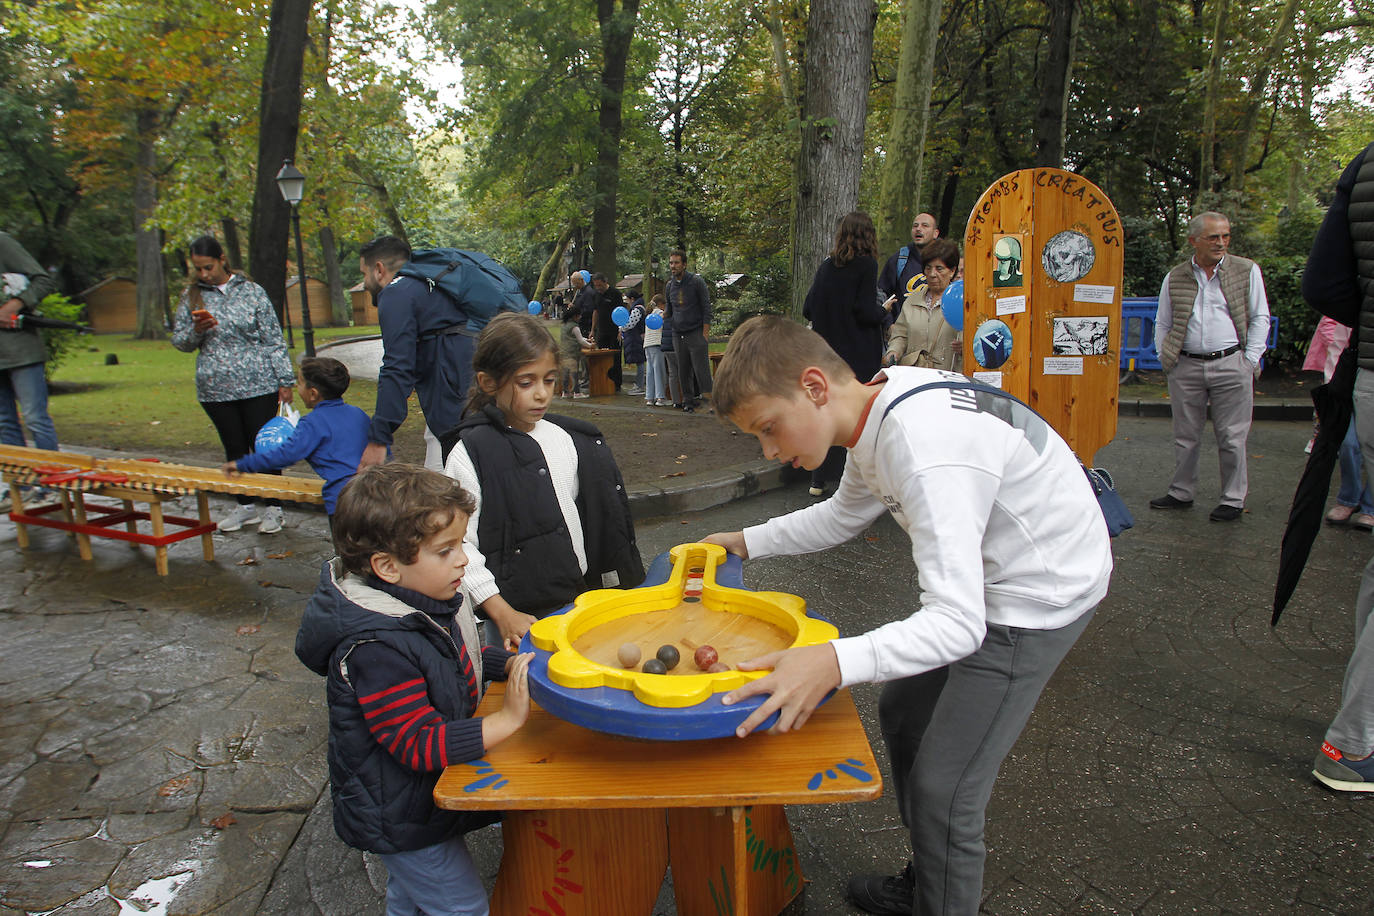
x=394, y=508
x=855, y=238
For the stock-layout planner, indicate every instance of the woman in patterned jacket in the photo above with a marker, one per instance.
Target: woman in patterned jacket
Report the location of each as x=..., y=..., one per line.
x=242, y=368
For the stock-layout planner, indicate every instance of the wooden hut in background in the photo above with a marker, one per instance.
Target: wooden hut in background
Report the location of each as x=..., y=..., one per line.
x=364, y=309
x=317, y=291
x=112, y=305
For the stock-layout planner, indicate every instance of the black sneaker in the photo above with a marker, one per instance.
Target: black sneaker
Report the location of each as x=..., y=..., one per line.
x=1170, y=502
x=885, y=895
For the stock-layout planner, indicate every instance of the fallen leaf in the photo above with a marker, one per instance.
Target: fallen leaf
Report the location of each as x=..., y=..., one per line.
x=648, y=435
x=249, y=560
x=871, y=537
x=681, y=457
x=248, y=629
x=224, y=820
x=280, y=556
x=155, y=423
x=173, y=786
x=677, y=474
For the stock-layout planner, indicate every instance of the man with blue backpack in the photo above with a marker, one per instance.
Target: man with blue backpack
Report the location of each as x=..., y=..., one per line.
x=907, y=261
x=431, y=304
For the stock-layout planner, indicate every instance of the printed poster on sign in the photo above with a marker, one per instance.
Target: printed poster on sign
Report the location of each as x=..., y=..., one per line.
x=1006, y=251
x=992, y=343
x=1080, y=336
x=1068, y=256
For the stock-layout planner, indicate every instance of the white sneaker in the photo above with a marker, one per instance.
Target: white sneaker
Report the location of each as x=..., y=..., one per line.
x=579, y=395
x=242, y=515
x=272, y=518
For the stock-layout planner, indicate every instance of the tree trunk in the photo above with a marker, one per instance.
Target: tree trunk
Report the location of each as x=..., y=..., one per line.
x=839, y=54
x=279, y=121
x=232, y=247
x=341, y=308
x=1278, y=38
x=551, y=265
x=1206, y=181
x=151, y=291
x=1051, y=116
x=617, y=28
x=900, y=198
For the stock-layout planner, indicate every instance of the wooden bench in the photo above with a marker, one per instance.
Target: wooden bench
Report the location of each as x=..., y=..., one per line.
x=74, y=477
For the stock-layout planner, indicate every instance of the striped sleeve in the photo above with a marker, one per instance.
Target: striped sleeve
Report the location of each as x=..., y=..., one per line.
x=396, y=704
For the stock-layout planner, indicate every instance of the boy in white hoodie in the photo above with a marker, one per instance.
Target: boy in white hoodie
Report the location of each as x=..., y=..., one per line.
x=1012, y=555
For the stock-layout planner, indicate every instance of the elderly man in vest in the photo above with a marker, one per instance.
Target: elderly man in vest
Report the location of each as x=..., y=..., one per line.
x=1210, y=333
x=1339, y=282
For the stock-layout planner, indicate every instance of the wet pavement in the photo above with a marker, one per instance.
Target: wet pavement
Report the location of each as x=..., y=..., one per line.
x=162, y=750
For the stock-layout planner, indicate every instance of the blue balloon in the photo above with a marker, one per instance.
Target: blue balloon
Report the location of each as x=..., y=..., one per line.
x=653, y=322
x=621, y=316
x=536, y=306
x=952, y=304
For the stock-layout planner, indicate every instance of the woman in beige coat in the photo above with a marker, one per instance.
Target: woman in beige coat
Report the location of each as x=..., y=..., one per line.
x=920, y=335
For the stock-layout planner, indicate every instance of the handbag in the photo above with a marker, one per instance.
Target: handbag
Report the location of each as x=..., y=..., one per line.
x=277, y=430
x=1114, y=511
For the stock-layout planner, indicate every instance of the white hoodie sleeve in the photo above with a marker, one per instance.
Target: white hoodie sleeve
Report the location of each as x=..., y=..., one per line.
x=478, y=581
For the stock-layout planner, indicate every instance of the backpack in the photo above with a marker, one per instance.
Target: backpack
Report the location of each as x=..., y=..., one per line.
x=478, y=284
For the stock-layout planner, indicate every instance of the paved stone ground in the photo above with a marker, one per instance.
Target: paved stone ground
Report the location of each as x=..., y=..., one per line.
x=160, y=742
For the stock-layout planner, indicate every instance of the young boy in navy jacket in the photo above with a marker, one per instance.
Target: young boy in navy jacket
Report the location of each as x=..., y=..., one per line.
x=331, y=438
x=404, y=668
x=1012, y=555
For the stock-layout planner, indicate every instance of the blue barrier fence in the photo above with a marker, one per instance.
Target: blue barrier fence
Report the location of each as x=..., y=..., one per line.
x=1138, y=333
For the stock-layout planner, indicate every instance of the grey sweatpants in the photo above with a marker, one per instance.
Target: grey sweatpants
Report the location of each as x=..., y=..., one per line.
x=1352, y=731
x=947, y=732
x=1228, y=385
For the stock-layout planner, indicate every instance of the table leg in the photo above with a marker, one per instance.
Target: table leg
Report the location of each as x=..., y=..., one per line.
x=207, y=540
x=132, y=524
x=733, y=860
x=21, y=530
x=581, y=862
x=155, y=516
x=83, y=540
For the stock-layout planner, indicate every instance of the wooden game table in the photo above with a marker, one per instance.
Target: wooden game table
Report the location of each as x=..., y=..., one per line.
x=593, y=821
x=74, y=476
x=599, y=366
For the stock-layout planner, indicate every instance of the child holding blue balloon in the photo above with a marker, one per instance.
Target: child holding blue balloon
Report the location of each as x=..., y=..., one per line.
x=922, y=335
x=655, y=363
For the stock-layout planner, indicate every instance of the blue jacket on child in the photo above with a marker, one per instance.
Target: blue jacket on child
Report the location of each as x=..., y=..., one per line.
x=331, y=438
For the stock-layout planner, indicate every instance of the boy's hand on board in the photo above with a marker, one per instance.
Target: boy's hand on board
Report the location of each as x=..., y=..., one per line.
x=801, y=678
x=515, y=709
x=732, y=541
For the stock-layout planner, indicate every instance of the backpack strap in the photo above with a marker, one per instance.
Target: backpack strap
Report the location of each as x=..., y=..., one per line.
x=901, y=262
x=966, y=386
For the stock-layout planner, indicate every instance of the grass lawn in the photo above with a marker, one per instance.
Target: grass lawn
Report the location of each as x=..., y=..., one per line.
x=147, y=403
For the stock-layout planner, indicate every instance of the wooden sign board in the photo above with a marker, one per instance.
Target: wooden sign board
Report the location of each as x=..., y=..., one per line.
x=1042, y=300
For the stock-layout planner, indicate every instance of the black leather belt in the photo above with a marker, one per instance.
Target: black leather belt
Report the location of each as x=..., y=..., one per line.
x=1215, y=354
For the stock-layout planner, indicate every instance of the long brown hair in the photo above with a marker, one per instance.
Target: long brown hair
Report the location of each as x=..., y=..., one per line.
x=511, y=340
x=855, y=238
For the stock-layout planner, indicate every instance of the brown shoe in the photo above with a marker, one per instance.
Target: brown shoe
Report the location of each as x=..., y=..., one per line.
x=1339, y=514
x=1364, y=521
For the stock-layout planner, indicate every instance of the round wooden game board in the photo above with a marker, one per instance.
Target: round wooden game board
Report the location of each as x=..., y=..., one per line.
x=693, y=596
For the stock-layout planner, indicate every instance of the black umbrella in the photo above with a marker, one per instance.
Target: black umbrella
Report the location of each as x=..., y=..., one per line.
x=1334, y=409
x=32, y=320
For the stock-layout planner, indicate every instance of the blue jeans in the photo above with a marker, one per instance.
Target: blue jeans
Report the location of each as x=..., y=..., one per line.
x=1351, y=493
x=439, y=880
x=23, y=390
x=656, y=378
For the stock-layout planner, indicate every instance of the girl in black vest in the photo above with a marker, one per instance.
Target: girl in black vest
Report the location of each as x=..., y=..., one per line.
x=553, y=517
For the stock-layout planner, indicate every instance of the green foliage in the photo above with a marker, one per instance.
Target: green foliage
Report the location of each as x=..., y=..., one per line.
x=1297, y=319
x=1145, y=258
x=768, y=293
x=60, y=343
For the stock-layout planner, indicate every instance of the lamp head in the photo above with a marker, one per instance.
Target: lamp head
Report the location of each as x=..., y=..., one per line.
x=291, y=183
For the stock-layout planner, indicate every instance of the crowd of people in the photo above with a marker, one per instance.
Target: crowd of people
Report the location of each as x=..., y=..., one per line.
x=441, y=570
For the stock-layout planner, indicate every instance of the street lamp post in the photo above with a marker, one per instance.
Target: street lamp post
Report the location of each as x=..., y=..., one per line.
x=291, y=183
